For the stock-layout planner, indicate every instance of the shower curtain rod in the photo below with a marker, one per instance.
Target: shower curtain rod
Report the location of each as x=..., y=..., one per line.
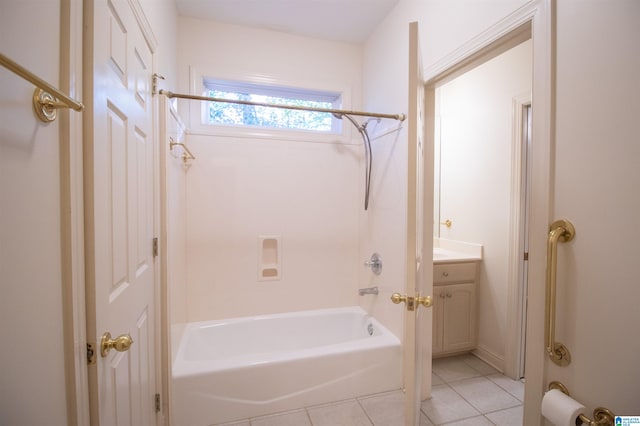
x=400, y=117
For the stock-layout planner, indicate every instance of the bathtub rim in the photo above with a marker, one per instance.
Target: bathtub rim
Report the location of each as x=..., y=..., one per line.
x=184, y=368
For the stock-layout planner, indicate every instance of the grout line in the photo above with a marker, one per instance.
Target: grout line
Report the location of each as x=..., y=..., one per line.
x=364, y=411
x=485, y=376
x=505, y=389
x=306, y=410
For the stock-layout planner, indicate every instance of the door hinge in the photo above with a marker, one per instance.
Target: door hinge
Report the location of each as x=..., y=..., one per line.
x=91, y=354
x=155, y=247
x=526, y=256
x=157, y=402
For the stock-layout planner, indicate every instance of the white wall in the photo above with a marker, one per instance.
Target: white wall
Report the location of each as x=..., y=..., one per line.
x=175, y=197
x=31, y=307
x=477, y=148
x=244, y=186
x=163, y=18
x=238, y=52
x=596, y=187
x=447, y=24
x=383, y=227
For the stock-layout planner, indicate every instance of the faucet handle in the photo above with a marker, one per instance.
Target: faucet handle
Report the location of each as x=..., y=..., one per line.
x=375, y=263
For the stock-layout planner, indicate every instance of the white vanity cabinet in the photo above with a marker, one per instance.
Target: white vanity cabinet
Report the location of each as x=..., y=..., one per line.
x=454, y=307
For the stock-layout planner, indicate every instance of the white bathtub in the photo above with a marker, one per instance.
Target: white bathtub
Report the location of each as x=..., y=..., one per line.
x=239, y=368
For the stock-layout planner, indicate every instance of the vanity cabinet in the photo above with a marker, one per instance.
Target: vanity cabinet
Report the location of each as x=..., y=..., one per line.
x=454, y=307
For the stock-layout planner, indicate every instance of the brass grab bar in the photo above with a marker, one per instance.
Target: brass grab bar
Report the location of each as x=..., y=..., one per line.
x=186, y=155
x=561, y=230
x=46, y=98
x=601, y=416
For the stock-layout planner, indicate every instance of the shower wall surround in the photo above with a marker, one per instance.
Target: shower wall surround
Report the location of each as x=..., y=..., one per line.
x=174, y=230
x=241, y=189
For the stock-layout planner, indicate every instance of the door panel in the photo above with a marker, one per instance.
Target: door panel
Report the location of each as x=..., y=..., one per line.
x=417, y=366
x=459, y=314
x=120, y=215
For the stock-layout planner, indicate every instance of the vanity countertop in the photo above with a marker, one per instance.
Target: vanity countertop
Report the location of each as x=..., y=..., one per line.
x=449, y=251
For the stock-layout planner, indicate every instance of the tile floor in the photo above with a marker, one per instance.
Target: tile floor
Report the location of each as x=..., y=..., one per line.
x=465, y=392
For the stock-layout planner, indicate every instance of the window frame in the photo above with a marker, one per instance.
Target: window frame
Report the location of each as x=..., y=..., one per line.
x=198, y=110
x=334, y=99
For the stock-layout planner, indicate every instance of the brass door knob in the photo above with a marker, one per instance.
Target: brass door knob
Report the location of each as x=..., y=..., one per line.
x=398, y=298
x=424, y=301
x=121, y=343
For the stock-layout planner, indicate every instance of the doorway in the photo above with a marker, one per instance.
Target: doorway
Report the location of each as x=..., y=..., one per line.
x=532, y=21
x=481, y=189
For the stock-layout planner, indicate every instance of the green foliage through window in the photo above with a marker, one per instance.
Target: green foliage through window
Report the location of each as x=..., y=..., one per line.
x=223, y=113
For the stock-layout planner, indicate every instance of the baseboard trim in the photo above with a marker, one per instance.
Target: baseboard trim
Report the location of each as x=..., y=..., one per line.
x=489, y=357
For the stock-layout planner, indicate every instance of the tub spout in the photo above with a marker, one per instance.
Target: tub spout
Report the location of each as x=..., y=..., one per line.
x=368, y=290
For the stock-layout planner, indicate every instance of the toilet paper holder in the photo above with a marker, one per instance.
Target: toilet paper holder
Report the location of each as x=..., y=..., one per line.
x=601, y=416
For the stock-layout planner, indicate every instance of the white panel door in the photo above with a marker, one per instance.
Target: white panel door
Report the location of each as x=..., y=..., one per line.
x=418, y=322
x=120, y=220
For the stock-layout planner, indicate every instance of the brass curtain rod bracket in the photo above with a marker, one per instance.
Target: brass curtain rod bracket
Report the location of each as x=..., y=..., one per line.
x=560, y=231
x=601, y=416
x=46, y=98
x=154, y=83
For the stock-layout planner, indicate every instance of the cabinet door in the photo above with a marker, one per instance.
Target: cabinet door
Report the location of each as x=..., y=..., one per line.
x=439, y=294
x=459, y=331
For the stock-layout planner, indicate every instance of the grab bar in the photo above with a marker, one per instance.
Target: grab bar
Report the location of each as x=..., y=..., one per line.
x=186, y=155
x=46, y=98
x=561, y=230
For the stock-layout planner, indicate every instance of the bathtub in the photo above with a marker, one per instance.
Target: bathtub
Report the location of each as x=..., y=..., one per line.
x=234, y=369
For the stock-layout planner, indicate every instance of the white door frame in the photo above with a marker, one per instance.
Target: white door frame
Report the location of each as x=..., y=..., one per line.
x=516, y=298
x=72, y=206
x=72, y=215
x=532, y=20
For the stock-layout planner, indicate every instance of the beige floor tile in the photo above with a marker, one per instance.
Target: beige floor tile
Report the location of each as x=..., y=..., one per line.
x=453, y=369
x=424, y=420
x=388, y=409
x=346, y=413
x=446, y=405
x=485, y=395
x=385, y=409
x=473, y=421
x=510, y=417
x=436, y=380
x=240, y=423
x=478, y=364
x=514, y=387
x=291, y=418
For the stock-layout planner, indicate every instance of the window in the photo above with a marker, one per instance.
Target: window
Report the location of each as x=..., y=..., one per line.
x=229, y=114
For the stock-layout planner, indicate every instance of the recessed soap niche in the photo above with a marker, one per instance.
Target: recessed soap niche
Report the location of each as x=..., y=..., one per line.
x=269, y=258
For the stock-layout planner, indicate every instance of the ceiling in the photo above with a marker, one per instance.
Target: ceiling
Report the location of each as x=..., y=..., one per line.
x=340, y=20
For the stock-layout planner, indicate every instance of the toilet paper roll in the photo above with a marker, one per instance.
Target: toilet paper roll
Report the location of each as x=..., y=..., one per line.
x=561, y=409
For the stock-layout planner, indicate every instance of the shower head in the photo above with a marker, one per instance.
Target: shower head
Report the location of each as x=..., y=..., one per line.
x=362, y=129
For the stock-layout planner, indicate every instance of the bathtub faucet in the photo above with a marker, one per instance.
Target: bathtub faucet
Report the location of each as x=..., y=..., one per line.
x=368, y=290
